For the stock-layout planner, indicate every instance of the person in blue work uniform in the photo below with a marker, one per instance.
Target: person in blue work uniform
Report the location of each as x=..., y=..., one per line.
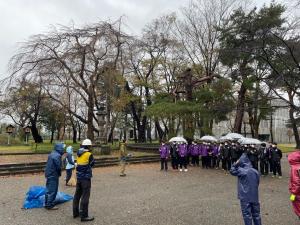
x=248, y=182
x=52, y=174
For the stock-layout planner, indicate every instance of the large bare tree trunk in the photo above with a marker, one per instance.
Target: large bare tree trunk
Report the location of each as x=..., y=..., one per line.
x=35, y=133
x=293, y=121
x=90, y=116
x=240, y=109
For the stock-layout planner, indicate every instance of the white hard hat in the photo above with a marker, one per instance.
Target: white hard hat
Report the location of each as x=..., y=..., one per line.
x=86, y=142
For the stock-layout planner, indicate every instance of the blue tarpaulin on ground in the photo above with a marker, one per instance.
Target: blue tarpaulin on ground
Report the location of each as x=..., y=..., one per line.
x=35, y=197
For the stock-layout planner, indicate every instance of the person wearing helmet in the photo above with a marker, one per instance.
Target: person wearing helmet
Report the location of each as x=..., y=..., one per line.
x=52, y=174
x=85, y=162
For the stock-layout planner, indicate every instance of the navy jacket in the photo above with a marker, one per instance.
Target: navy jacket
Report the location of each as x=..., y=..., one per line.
x=248, y=179
x=85, y=162
x=53, y=166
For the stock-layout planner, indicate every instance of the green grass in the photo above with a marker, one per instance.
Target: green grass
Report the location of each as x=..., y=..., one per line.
x=286, y=147
x=15, y=148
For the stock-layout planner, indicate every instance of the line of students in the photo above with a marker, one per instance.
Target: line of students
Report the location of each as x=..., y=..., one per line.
x=227, y=153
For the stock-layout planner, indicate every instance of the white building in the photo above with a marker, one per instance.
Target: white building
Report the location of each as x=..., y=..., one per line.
x=279, y=121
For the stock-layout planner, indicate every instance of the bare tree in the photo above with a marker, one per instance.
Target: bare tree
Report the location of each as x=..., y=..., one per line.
x=74, y=59
x=198, y=33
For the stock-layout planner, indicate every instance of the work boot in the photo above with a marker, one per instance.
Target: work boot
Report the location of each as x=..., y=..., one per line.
x=86, y=219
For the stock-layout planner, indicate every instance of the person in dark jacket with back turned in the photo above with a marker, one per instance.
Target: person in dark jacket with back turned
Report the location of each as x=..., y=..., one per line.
x=248, y=182
x=85, y=162
x=52, y=174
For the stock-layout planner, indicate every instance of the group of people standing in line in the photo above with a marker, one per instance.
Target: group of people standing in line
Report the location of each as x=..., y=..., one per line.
x=214, y=154
x=240, y=160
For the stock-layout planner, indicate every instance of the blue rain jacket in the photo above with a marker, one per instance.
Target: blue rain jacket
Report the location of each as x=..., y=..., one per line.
x=53, y=166
x=248, y=179
x=70, y=158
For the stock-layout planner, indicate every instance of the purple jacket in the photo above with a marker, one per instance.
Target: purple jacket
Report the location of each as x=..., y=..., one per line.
x=200, y=149
x=210, y=150
x=215, y=150
x=195, y=150
x=164, y=151
x=204, y=150
x=182, y=149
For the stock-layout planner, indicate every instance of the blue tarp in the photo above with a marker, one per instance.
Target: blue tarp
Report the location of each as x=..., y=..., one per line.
x=35, y=197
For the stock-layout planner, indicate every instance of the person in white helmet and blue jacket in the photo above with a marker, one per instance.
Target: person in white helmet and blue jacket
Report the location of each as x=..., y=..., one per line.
x=85, y=162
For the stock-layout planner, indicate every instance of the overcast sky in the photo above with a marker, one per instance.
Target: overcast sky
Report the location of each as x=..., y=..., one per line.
x=20, y=19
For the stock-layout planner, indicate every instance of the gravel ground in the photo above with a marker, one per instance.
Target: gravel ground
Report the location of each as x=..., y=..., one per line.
x=149, y=196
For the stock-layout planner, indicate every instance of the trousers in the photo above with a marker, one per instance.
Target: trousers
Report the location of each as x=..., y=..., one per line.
x=51, y=191
x=82, y=198
x=251, y=212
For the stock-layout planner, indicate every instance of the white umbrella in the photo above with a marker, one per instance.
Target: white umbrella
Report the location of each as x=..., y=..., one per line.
x=250, y=141
x=208, y=138
x=177, y=139
x=225, y=138
x=235, y=136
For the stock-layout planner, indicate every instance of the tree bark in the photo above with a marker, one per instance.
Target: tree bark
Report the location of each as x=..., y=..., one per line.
x=240, y=109
x=90, y=116
x=74, y=135
x=161, y=133
x=52, y=135
x=293, y=120
x=35, y=133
